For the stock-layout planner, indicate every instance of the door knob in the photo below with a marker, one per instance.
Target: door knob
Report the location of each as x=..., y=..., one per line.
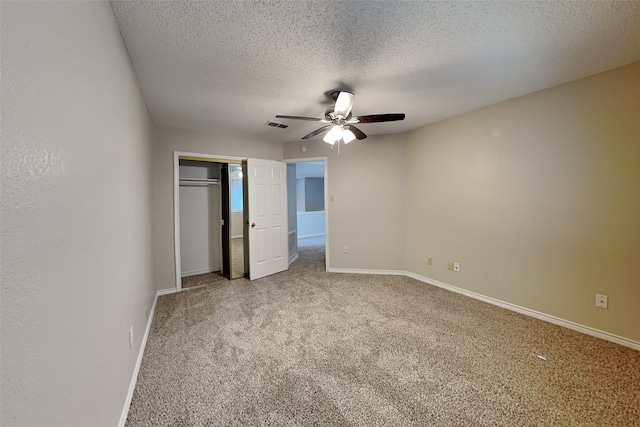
x=253, y=224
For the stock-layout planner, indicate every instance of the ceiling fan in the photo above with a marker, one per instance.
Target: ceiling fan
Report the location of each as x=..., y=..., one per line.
x=340, y=122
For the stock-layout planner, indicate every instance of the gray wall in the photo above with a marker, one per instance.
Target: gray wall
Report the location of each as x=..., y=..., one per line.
x=368, y=183
x=166, y=140
x=76, y=237
x=538, y=198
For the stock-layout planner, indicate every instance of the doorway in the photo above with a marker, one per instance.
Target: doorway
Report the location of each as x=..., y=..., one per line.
x=307, y=187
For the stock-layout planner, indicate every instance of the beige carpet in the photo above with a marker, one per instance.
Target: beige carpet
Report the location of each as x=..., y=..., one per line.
x=202, y=280
x=309, y=348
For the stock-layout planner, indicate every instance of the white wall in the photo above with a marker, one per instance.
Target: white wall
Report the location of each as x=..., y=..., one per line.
x=538, y=198
x=310, y=224
x=166, y=140
x=300, y=194
x=200, y=229
x=76, y=237
x=368, y=182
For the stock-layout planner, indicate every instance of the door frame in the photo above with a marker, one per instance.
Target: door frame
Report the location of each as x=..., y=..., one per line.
x=326, y=199
x=186, y=155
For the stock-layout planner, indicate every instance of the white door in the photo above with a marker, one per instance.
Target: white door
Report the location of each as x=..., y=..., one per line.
x=268, y=244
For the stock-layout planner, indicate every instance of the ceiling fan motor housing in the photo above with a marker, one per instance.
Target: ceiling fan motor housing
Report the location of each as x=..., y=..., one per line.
x=333, y=118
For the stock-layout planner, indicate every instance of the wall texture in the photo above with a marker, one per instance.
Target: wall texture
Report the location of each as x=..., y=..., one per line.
x=368, y=183
x=76, y=240
x=538, y=198
x=166, y=140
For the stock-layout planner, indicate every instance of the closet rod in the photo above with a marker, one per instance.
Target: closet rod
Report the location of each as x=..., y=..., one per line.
x=187, y=181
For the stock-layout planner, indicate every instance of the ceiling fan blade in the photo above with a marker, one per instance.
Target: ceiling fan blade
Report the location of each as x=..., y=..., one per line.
x=316, y=132
x=344, y=103
x=357, y=132
x=377, y=118
x=311, y=119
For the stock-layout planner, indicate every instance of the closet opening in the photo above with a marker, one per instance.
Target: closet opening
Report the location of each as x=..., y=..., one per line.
x=210, y=232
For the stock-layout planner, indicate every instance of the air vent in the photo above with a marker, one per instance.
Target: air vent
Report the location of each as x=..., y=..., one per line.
x=276, y=125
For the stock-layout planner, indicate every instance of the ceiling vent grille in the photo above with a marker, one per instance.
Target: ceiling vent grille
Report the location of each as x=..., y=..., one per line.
x=276, y=125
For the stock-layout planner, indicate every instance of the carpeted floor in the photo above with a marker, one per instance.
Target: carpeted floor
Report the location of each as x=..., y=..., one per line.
x=306, y=347
x=202, y=280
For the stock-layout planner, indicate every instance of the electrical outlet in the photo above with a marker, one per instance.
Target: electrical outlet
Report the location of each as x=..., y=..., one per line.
x=456, y=266
x=429, y=260
x=131, y=337
x=450, y=265
x=602, y=301
x=346, y=249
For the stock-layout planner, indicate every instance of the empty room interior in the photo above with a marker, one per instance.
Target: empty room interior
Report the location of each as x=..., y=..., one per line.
x=320, y=213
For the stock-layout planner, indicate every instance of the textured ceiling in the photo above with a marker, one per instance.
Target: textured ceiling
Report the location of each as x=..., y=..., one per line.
x=231, y=66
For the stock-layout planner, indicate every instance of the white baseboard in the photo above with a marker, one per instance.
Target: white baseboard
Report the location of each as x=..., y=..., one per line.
x=311, y=235
x=293, y=258
x=166, y=292
x=365, y=271
x=136, y=369
x=587, y=330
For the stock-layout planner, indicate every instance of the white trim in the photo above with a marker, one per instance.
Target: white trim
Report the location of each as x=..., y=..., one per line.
x=176, y=204
x=587, y=330
x=326, y=199
x=308, y=236
x=176, y=220
x=166, y=291
x=366, y=271
x=293, y=258
x=136, y=369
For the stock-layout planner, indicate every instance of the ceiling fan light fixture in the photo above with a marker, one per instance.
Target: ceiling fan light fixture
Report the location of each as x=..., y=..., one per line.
x=329, y=141
x=348, y=136
x=334, y=135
